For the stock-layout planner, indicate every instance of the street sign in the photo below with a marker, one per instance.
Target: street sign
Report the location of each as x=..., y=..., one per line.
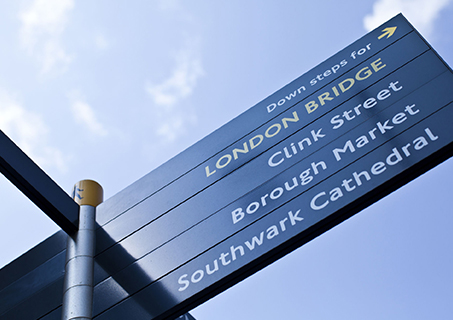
x=37, y=185
x=315, y=153
x=346, y=133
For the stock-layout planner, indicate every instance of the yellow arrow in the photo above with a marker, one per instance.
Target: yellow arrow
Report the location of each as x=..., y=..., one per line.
x=387, y=32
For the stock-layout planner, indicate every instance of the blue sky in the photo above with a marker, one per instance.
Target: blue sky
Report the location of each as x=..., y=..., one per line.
x=110, y=90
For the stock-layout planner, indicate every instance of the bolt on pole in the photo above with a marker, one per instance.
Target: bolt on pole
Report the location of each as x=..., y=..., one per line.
x=79, y=268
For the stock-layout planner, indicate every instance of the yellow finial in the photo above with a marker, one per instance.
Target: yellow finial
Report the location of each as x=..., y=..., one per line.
x=88, y=192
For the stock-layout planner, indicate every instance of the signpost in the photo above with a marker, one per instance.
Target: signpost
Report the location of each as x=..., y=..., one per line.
x=348, y=132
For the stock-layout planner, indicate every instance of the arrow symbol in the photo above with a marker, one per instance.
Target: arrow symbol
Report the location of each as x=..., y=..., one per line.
x=387, y=32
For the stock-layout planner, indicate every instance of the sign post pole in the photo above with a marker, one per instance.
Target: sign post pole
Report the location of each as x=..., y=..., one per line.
x=78, y=284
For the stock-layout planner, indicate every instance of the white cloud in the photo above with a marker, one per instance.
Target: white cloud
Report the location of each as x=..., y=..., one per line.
x=29, y=132
x=84, y=115
x=173, y=90
x=421, y=13
x=180, y=84
x=43, y=23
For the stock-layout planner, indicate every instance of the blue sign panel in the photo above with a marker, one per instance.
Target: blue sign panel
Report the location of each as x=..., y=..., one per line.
x=345, y=134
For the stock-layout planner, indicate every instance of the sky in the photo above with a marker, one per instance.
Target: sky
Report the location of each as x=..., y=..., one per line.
x=109, y=91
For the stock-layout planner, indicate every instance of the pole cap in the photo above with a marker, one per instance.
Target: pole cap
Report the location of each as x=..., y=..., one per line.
x=88, y=192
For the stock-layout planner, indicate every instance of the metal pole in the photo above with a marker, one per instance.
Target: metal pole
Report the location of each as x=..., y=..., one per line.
x=78, y=284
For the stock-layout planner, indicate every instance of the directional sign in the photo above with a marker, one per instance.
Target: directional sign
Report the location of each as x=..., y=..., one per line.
x=37, y=185
x=346, y=133
x=311, y=155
